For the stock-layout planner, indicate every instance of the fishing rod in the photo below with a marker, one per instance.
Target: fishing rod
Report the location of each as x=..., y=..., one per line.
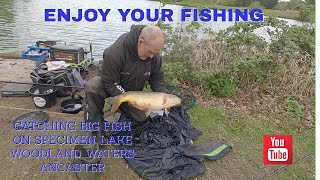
x=52, y=85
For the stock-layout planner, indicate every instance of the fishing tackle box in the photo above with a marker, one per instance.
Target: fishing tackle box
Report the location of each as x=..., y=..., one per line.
x=67, y=53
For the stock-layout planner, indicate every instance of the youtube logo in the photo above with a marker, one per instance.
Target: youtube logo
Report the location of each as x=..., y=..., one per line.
x=277, y=149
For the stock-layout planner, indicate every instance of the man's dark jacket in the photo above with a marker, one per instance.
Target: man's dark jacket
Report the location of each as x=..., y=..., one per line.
x=123, y=69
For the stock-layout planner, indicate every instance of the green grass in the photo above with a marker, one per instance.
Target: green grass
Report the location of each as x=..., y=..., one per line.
x=245, y=134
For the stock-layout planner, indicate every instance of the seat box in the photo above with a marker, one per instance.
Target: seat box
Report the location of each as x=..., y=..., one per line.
x=72, y=54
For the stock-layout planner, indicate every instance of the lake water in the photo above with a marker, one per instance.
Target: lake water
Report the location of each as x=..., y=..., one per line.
x=22, y=23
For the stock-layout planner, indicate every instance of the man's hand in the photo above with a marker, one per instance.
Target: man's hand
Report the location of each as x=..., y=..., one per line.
x=138, y=107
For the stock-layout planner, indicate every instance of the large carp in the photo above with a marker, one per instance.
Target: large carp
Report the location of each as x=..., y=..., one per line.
x=153, y=101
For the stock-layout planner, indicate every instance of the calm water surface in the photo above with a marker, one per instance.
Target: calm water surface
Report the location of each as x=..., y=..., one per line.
x=22, y=23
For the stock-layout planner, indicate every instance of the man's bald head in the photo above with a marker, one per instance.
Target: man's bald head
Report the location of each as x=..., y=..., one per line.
x=151, y=33
x=150, y=42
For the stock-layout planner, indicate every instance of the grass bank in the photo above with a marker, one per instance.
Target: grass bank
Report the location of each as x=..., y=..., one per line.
x=246, y=88
x=245, y=134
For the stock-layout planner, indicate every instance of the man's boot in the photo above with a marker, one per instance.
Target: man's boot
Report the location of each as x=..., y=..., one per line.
x=85, y=174
x=93, y=113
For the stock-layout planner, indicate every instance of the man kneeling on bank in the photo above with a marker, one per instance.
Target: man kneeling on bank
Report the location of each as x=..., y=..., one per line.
x=131, y=61
x=127, y=65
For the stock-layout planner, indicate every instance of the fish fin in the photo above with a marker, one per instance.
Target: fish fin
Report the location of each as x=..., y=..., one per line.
x=148, y=113
x=166, y=111
x=115, y=103
x=164, y=101
x=132, y=101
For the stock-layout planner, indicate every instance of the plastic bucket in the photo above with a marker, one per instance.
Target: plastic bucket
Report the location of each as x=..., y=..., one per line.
x=43, y=96
x=72, y=106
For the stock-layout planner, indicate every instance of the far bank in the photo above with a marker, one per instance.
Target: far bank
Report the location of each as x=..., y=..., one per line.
x=288, y=14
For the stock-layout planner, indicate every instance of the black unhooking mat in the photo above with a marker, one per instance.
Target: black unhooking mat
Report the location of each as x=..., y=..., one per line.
x=163, y=147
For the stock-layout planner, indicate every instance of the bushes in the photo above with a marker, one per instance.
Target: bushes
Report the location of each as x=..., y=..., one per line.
x=245, y=73
x=296, y=41
x=269, y=4
x=220, y=84
x=242, y=3
x=222, y=63
x=226, y=2
x=255, y=71
x=307, y=12
x=178, y=72
x=255, y=4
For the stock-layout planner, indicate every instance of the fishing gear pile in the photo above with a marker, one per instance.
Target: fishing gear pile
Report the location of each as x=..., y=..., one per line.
x=66, y=76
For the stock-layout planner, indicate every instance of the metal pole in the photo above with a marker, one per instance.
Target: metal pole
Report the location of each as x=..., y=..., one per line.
x=91, y=51
x=14, y=82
